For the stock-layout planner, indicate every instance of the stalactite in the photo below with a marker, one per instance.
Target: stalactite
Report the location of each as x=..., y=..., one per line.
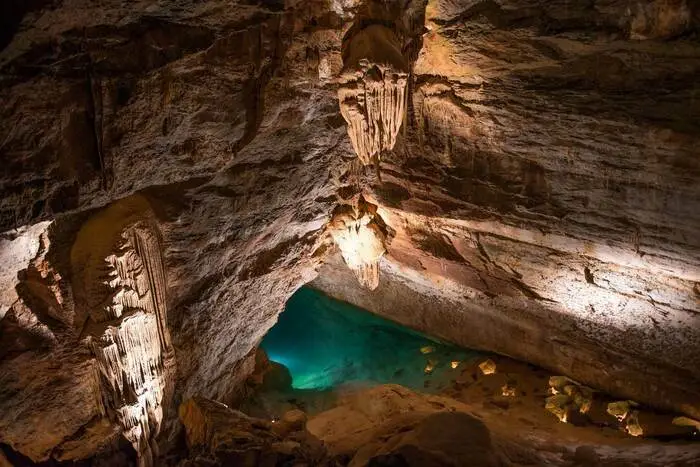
x=128, y=333
x=368, y=275
x=374, y=107
x=148, y=247
x=372, y=92
x=359, y=236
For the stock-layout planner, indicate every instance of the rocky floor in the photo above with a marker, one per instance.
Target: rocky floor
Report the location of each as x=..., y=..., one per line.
x=496, y=412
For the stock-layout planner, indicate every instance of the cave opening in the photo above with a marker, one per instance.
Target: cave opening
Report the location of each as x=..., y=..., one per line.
x=321, y=347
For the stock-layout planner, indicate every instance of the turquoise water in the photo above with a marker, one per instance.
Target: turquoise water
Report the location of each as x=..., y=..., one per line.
x=326, y=343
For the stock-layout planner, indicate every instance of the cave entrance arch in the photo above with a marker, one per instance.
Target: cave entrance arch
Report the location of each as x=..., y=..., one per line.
x=321, y=347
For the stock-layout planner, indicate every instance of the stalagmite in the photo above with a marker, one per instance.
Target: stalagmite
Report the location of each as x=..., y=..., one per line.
x=358, y=233
x=126, y=325
x=372, y=92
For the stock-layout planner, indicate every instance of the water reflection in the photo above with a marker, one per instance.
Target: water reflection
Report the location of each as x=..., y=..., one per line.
x=325, y=343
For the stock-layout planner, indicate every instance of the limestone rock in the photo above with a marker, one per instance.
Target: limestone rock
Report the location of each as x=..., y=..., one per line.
x=392, y=425
x=17, y=249
x=294, y=419
x=277, y=377
x=560, y=405
x=120, y=288
x=487, y=367
x=621, y=409
x=203, y=419
x=373, y=90
x=685, y=421
x=262, y=366
x=59, y=398
x=228, y=437
x=97, y=436
x=579, y=395
x=660, y=19
x=439, y=440
x=353, y=423
x=656, y=425
x=373, y=105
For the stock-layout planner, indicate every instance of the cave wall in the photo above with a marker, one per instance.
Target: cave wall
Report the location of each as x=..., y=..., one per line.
x=543, y=183
x=545, y=199
x=609, y=355
x=545, y=189
x=212, y=114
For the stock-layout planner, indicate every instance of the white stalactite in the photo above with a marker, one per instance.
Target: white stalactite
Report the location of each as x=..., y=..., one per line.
x=129, y=335
x=361, y=243
x=374, y=107
x=372, y=92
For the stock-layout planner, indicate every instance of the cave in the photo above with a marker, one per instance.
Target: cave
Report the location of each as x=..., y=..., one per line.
x=325, y=344
x=350, y=233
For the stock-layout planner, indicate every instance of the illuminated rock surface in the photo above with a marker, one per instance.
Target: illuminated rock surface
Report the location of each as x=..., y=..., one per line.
x=392, y=425
x=361, y=236
x=120, y=287
x=541, y=199
x=373, y=92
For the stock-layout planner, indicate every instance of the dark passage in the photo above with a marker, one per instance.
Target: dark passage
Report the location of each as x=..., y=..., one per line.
x=325, y=343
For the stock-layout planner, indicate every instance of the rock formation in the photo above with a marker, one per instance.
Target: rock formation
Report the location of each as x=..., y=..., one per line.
x=373, y=88
x=359, y=234
x=90, y=321
x=219, y=435
x=120, y=286
x=373, y=92
x=392, y=425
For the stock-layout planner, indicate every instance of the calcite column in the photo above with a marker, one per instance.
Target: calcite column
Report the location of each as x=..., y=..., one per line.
x=373, y=91
x=121, y=287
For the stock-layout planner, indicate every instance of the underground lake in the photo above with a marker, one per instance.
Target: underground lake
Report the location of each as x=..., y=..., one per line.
x=325, y=343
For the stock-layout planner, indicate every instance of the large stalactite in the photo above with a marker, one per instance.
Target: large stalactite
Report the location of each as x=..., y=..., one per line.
x=373, y=91
x=121, y=283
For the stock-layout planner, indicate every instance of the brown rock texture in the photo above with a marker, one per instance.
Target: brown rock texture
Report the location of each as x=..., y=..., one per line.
x=218, y=435
x=120, y=288
x=392, y=425
x=203, y=152
x=539, y=194
x=545, y=200
x=373, y=92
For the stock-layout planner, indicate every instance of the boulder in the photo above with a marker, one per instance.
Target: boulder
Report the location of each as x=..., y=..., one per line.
x=439, y=440
x=218, y=435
